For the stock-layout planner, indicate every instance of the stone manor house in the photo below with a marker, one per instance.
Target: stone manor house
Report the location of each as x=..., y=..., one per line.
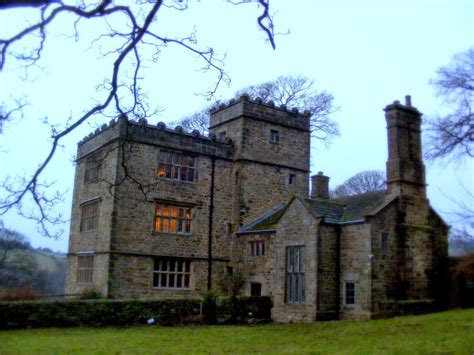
x=159, y=212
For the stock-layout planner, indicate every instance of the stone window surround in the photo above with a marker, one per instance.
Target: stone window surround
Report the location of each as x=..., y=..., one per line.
x=89, y=215
x=185, y=221
x=295, y=274
x=256, y=248
x=274, y=136
x=183, y=270
x=291, y=180
x=85, y=268
x=175, y=168
x=350, y=294
x=92, y=169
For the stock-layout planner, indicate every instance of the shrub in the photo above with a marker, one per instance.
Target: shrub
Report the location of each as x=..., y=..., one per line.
x=91, y=294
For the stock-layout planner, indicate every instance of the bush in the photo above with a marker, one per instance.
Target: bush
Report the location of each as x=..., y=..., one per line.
x=91, y=294
x=127, y=312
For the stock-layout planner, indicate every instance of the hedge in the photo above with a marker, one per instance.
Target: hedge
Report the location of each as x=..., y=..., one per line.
x=32, y=314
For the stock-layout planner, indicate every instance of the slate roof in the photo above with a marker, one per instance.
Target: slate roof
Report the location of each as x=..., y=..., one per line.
x=351, y=209
x=359, y=206
x=266, y=221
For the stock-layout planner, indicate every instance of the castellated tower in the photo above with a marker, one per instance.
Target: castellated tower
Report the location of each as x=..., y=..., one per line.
x=271, y=157
x=154, y=208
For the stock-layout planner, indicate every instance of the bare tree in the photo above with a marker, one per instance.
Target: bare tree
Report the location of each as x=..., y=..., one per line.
x=130, y=31
x=365, y=181
x=290, y=91
x=452, y=134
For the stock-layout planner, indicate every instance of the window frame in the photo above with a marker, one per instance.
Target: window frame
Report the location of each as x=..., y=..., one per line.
x=85, y=272
x=176, y=219
x=291, y=179
x=256, y=248
x=91, y=220
x=92, y=164
x=161, y=277
x=350, y=294
x=274, y=136
x=295, y=287
x=172, y=165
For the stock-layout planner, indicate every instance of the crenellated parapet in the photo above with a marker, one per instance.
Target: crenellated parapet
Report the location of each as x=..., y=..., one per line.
x=257, y=109
x=158, y=135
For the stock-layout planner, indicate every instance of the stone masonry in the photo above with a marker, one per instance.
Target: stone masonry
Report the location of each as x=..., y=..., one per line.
x=159, y=212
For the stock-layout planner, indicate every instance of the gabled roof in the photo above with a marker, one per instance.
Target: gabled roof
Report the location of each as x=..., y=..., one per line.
x=351, y=209
x=359, y=206
x=266, y=221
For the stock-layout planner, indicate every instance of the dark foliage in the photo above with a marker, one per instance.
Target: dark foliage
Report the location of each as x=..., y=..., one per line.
x=124, y=312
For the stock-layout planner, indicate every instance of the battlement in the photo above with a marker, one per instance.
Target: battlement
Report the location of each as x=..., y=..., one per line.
x=259, y=110
x=158, y=135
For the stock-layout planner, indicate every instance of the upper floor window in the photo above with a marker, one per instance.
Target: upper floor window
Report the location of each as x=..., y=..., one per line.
x=171, y=273
x=92, y=170
x=291, y=179
x=274, y=136
x=257, y=248
x=295, y=283
x=349, y=298
x=172, y=219
x=90, y=216
x=85, y=269
x=176, y=166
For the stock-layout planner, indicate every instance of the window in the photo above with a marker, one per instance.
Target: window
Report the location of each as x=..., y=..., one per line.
x=221, y=135
x=85, y=269
x=295, y=284
x=255, y=289
x=176, y=166
x=89, y=216
x=385, y=243
x=92, y=171
x=350, y=293
x=172, y=219
x=171, y=273
x=257, y=248
x=291, y=179
x=274, y=137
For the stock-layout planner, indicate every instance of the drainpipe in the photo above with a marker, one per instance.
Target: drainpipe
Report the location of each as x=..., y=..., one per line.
x=211, y=213
x=338, y=271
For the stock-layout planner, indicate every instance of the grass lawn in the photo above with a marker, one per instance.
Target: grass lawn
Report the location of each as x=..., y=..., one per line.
x=446, y=332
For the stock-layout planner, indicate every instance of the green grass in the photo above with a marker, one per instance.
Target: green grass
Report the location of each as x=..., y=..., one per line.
x=448, y=332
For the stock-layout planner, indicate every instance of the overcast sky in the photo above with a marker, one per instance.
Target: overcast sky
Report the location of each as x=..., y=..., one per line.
x=366, y=53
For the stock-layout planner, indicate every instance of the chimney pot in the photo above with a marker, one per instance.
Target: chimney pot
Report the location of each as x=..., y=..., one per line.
x=408, y=101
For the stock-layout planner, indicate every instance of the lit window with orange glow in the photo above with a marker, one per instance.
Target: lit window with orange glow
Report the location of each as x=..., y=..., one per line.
x=172, y=219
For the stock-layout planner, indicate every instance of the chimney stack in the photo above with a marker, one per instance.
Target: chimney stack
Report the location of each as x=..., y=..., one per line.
x=405, y=169
x=319, y=186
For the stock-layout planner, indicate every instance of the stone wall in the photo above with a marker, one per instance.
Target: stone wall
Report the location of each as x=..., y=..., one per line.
x=327, y=273
x=296, y=228
x=260, y=269
x=356, y=267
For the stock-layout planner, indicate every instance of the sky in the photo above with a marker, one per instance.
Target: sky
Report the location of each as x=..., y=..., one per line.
x=366, y=53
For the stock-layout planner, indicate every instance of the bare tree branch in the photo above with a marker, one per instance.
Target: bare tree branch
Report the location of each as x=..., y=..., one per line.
x=452, y=135
x=123, y=95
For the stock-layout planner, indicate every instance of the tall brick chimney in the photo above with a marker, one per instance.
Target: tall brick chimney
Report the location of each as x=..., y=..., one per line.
x=320, y=186
x=405, y=168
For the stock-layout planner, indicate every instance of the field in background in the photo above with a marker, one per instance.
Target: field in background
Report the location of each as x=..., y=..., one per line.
x=446, y=332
